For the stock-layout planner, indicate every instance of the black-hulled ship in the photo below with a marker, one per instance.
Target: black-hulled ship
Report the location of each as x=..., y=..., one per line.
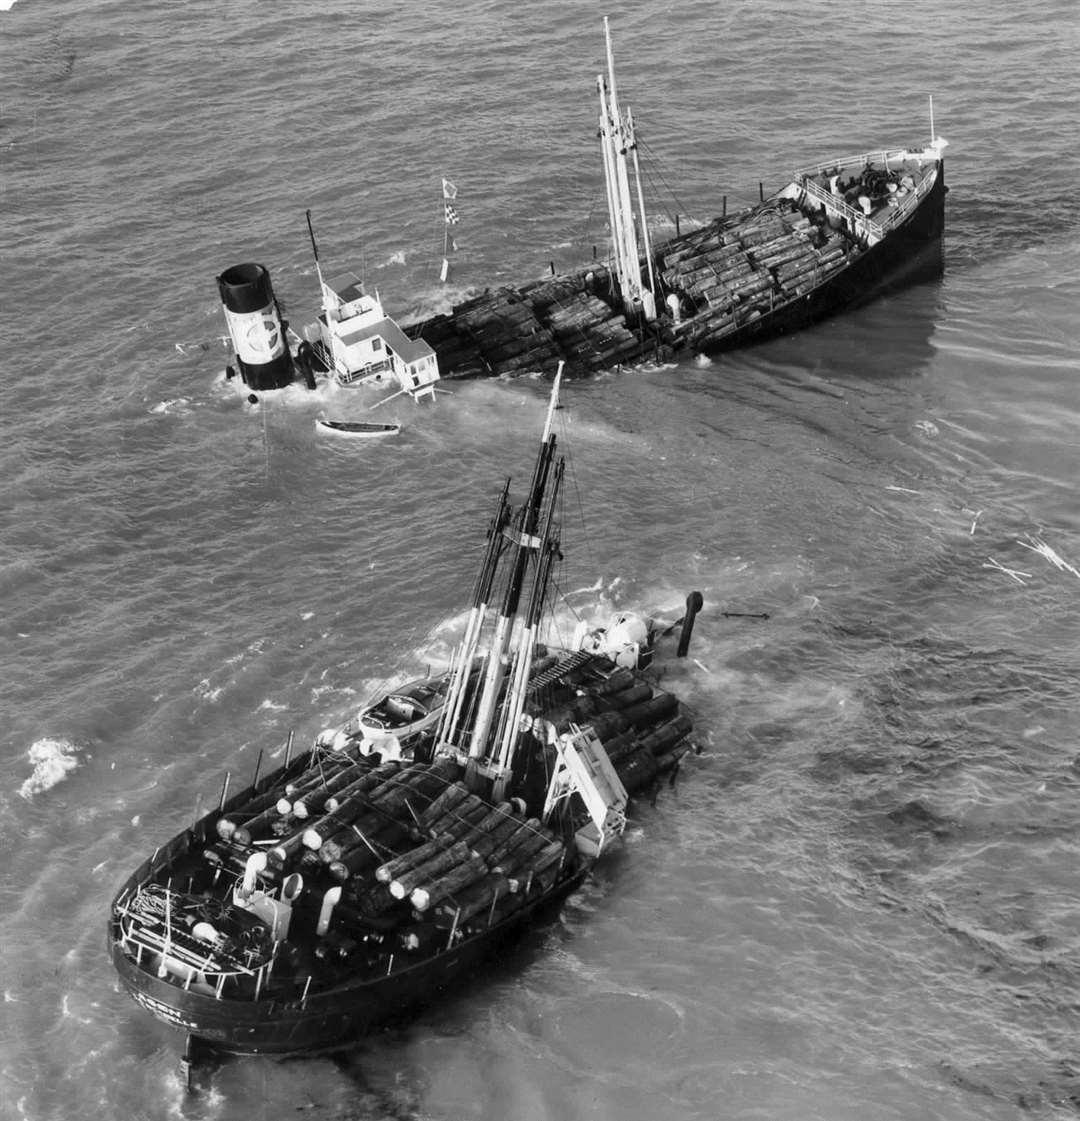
x=838, y=235
x=366, y=875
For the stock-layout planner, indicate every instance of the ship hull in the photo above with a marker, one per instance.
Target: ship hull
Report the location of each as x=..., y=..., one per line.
x=335, y=1018
x=578, y=318
x=912, y=254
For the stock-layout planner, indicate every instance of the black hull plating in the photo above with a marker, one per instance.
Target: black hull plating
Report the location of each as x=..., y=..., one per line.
x=577, y=318
x=332, y=1019
x=912, y=254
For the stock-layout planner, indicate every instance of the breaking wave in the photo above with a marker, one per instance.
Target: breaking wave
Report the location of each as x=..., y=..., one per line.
x=52, y=760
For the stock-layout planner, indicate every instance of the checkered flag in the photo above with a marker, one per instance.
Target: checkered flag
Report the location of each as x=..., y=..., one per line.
x=449, y=193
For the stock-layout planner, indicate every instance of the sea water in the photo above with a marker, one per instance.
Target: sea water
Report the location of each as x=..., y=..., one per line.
x=861, y=897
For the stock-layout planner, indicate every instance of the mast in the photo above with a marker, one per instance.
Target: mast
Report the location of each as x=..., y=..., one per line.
x=617, y=140
x=329, y=300
x=529, y=545
x=461, y=669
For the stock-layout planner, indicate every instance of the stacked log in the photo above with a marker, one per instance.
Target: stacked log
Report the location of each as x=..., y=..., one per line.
x=258, y=816
x=592, y=329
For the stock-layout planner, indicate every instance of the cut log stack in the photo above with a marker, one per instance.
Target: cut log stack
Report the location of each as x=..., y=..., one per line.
x=475, y=855
x=509, y=331
x=330, y=817
x=729, y=274
x=470, y=861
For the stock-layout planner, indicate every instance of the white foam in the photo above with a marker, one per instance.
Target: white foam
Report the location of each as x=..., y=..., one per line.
x=174, y=406
x=52, y=760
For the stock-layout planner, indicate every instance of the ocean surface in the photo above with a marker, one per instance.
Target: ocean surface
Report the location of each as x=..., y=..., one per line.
x=861, y=900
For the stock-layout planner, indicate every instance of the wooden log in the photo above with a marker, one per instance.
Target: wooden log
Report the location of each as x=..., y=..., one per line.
x=349, y=808
x=637, y=770
x=466, y=809
x=493, y=838
x=546, y=858
x=522, y=852
x=469, y=872
x=244, y=832
x=421, y=782
x=431, y=870
x=621, y=746
x=315, y=775
x=465, y=826
x=635, y=694
x=670, y=759
x=413, y=857
x=608, y=724
x=313, y=801
x=662, y=739
x=361, y=786
x=288, y=849
x=522, y=831
x=534, y=360
x=361, y=822
x=473, y=900
x=621, y=679
x=452, y=796
x=651, y=711
x=360, y=859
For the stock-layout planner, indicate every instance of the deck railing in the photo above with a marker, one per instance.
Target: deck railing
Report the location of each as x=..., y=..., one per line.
x=873, y=228
x=868, y=157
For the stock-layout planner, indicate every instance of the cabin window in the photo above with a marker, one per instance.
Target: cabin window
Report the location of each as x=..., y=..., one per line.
x=376, y=344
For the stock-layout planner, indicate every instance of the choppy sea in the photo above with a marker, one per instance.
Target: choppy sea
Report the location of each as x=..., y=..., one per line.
x=861, y=900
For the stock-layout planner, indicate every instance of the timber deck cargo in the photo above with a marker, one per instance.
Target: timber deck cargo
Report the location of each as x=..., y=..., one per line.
x=387, y=862
x=835, y=238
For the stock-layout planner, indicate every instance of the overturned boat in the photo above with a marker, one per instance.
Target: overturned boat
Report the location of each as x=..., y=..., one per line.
x=361, y=879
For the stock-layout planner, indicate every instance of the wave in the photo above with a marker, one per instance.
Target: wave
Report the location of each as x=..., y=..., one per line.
x=52, y=761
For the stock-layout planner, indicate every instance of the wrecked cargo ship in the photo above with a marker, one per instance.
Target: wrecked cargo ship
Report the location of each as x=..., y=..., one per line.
x=369, y=874
x=836, y=236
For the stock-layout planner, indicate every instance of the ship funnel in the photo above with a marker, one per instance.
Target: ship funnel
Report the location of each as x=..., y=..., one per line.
x=255, y=327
